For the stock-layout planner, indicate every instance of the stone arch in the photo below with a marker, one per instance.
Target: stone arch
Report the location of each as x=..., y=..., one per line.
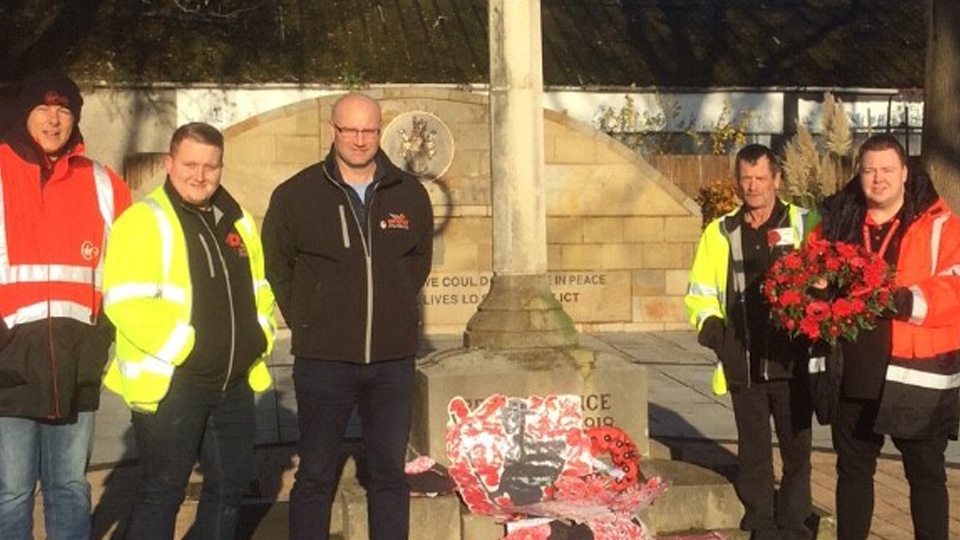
x=620, y=236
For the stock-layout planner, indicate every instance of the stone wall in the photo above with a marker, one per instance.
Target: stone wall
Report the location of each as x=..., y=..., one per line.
x=621, y=237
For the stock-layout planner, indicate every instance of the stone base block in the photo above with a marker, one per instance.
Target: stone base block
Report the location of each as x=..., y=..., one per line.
x=613, y=390
x=431, y=518
x=476, y=527
x=697, y=499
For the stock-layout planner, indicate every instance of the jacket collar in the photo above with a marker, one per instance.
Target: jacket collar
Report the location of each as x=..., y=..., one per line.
x=221, y=201
x=29, y=151
x=386, y=172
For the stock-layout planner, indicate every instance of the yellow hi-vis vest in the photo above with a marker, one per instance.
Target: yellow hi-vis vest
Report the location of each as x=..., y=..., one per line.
x=148, y=296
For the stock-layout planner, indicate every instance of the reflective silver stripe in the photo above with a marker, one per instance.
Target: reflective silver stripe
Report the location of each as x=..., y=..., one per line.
x=265, y=323
x=259, y=284
x=149, y=364
x=801, y=225
x=175, y=343
x=920, y=307
x=950, y=271
x=817, y=364
x=105, y=201
x=34, y=273
x=104, y=194
x=344, y=231
x=129, y=291
x=736, y=258
x=703, y=289
x=57, y=308
x=935, y=236
x=922, y=379
x=247, y=226
x=166, y=236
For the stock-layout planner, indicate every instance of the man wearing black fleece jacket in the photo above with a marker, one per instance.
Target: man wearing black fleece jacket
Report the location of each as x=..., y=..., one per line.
x=348, y=245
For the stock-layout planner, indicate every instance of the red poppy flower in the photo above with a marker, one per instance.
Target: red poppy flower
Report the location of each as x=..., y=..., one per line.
x=773, y=237
x=234, y=240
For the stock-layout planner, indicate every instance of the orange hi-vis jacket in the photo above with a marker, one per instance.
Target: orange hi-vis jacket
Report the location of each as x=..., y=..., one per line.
x=52, y=238
x=920, y=397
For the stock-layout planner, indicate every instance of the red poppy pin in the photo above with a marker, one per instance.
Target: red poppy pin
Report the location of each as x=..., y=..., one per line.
x=773, y=237
x=234, y=241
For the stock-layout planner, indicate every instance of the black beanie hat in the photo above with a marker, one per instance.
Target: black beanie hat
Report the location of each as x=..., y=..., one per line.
x=48, y=87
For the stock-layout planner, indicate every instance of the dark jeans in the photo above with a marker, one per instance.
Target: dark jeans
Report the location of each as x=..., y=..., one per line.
x=217, y=426
x=789, y=405
x=858, y=448
x=326, y=395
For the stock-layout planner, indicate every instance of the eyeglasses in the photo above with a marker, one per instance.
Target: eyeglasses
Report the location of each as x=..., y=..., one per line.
x=354, y=132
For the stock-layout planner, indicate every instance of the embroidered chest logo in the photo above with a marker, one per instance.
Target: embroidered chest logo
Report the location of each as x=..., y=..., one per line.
x=89, y=251
x=234, y=241
x=395, y=221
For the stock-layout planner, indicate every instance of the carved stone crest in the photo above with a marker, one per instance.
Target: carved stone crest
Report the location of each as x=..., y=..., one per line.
x=419, y=143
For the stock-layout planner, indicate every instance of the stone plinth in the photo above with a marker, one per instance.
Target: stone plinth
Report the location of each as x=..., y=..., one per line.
x=520, y=312
x=697, y=499
x=613, y=390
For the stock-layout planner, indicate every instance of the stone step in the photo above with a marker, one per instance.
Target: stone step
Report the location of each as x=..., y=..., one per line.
x=698, y=500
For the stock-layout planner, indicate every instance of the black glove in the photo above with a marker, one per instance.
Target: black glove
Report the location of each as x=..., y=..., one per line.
x=711, y=333
x=903, y=299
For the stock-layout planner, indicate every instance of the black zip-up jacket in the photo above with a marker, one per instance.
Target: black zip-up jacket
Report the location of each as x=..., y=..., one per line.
x=224, y=311
x=347, y=287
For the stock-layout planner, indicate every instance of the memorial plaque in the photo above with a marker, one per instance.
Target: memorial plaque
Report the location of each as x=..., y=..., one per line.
x=588, y=297
x=419, y=143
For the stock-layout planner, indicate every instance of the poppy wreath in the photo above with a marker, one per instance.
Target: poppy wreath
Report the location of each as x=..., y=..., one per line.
x=828, y=291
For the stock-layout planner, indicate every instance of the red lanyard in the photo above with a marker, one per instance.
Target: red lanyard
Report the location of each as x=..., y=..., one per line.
x=886, y=239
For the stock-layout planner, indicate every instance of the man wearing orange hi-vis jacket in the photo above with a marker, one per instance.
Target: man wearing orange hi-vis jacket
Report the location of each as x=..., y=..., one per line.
x=764, y=369
x=56, y=211
x=185, y=287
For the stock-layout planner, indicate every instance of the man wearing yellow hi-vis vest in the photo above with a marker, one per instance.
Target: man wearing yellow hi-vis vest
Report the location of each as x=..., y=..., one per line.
x=764, y=368
x=185, y=287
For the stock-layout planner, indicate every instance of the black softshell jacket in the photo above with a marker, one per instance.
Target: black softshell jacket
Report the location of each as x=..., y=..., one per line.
x=348, y=288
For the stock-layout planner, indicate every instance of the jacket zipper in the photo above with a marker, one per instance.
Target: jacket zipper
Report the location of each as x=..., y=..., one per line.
x=53, y=361
x=233, y=316
x=367, y=240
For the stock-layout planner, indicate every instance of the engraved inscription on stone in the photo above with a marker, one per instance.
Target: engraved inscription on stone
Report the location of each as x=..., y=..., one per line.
x=419, y=143
x=586, y=296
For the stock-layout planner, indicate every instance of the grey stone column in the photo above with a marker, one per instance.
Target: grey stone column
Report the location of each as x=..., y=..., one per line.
x=519, y=311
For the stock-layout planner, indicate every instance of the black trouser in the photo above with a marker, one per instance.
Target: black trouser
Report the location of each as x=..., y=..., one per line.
x=219, y=428
x=858, y=448
x=327, y=393
x=789, y=405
